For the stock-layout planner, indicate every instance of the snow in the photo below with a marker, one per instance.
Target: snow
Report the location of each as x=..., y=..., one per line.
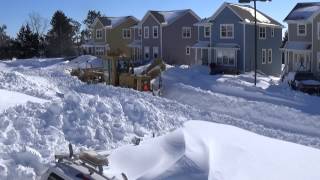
x=86, y=61
x=11, y=98
x=296, y=45
x=303, y=12
x=260, y=17
x=57, y=108
x=204, y=150
x=311, y=82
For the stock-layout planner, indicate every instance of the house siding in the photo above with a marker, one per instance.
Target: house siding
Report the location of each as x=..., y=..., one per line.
x=316, y=44
x=293, y=33
x=115, y=40
x=174, y=46
x=201, y=34
x=228, y=17
x=97, y=26
x=151, y=42
x=273, y=43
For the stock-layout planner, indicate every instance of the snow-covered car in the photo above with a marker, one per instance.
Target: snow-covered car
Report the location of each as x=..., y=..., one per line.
x=305, y=82
x=85, y=165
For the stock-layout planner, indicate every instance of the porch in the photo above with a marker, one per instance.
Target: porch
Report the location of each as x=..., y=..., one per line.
x=136, y=50
x=95, y=48
x=297, y=57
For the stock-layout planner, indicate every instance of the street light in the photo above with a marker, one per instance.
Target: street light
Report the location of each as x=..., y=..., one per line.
x=255, y=36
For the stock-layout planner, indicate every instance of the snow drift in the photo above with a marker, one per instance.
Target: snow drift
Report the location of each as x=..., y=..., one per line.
x=204, y=150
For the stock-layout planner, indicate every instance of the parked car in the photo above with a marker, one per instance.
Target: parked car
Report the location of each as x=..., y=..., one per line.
x=305, y=82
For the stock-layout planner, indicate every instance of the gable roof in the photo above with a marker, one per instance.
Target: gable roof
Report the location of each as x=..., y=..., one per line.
x=168, y=17
x=113, y=22
x=303, y=11
x=246, y=14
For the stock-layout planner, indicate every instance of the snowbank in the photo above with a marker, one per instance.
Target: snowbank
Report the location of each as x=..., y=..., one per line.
x=86, y=61
x=204, y=150
x=10, y=99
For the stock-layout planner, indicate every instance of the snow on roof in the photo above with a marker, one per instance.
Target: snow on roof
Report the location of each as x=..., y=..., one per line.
x=246, y=13
x=295, y=45
x=113, y=21
x=167, y=17
x=135, y=43
x=226, y=45
x=303, y=11
x=201, y=44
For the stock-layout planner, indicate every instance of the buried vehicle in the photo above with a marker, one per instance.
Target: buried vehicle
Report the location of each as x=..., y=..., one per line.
x=305, y=82
x=85, y=165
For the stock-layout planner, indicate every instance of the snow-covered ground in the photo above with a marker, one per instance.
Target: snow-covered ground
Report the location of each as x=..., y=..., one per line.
x=204, y=150
x=50, y=108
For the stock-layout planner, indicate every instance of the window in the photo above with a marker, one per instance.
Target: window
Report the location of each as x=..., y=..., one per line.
x=186, y=32
x=262, y=32
x=272, y=32
x=226, y=57
x=226, y=31
x=155, y=52
x=99, y=34
x=188, y=51
x=319, y=30
x=269, y=56
x=207, y=31
x=146, y=52
x=264, y=56
x=302, y=29
x=146, y=32
x=126, y=34
x=139, y=32
x=99, y=51
x=155, y=30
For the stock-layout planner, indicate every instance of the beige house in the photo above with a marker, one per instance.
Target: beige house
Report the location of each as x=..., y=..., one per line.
x=110, y=34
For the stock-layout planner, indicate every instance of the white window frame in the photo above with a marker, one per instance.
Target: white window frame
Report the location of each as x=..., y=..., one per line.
x=155, y=49
x=305, y=30
x=318, y=30
x=272, y=32
x=139, y=32
x=264, y=56
x=99, y=51
x=205, y=32
x=223, y=52
x=188, y=50
x=186, y=29
x=146, y=49
x=262, y=35
x=153, y=30
x=146, y=32
x=226, y=27
x=126, y=33
x=269, y=56
x=100, y=32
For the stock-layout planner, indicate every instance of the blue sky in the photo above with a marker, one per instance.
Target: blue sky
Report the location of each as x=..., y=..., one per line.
x=14, y=13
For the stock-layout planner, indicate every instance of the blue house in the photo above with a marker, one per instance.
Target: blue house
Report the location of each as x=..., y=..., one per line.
x=227, y=39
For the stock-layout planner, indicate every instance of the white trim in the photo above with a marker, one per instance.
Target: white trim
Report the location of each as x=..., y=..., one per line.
x=305, y=29
x=155, y=28
x=155, y=49
x=269, y=59
x=125, y=34
x=221, y=8
x=144, y=32
x=187, y=29
x=226, y=37
x=146, y=49
x=100, y=30
x=145, y=17
x=198, y=33
x=265, y=32
x=204, y=31
x=161, y=41
x=188, y=51
x=264, y=59
x=272, y=32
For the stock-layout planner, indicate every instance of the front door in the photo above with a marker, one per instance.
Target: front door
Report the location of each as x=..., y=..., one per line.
x=301, y=62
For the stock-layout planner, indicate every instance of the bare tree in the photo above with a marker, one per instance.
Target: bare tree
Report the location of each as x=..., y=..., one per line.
x=37, y=23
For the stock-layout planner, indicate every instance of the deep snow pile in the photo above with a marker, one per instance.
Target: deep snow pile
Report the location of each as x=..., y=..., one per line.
x=99, y=117
x=205, y=150
x=102, y=117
